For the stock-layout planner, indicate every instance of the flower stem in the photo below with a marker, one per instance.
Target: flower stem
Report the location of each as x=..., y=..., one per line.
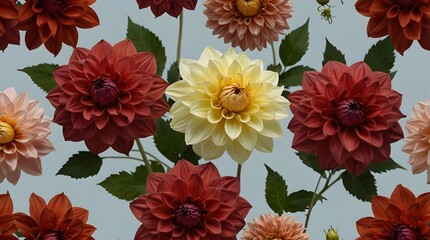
x=181, y=26
x=273, y=53
x=239, y=170
x=145, y=159
x=318, y=195
x=120, y=157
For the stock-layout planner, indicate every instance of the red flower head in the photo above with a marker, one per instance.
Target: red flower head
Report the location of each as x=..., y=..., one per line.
x=400, y=217
x=57, y=220
x=404, y=20
x=7, y=225
x=172, y=7
x=8, y=20
x=108, y=96
x=53, y=22
x=190, y=202
x=347, y=116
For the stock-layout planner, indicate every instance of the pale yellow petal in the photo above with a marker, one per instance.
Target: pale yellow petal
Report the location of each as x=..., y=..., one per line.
x=177, y=89
x=264, y=144
x=271, y=129
x=198, y=129
x=219, y=137
x=248, y=138
x=208, y=54
x=201, y=108
x=233, y=128
x=214, y=116
x=237, y=152
x=208, y=150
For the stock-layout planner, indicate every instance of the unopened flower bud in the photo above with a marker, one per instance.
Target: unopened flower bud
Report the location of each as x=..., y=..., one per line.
x=331, y=234
x=7, y=134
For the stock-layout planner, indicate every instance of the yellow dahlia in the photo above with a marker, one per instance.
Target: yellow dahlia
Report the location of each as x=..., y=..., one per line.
x=227, y=102
x=275, y=227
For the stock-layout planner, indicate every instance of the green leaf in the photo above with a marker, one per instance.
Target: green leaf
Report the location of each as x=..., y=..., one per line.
x=380, y=56
x=299, y=201
x=285, y=93
x=294, y=46
x=146, y=41
x=331, y=53
x=363, y=187
x=275, y=68
x=126, y=186
x=393, y=74
x=81, y=165
x=293, y=76
x=310, y=160
x=172, y=144
x=276, y=191
x=42, y=75
x=385, y=166
x=173, y=73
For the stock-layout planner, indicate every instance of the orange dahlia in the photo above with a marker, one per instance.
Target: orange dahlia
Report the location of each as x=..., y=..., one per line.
x=7, y=225
x=347, y=116
x=54, y=221
x=8, y=20
x=275, y=227
x=248, y=24
x=403, y=20
x=190, y=202
x=108, y=96
x=400, y=217
x=171, y=7
x=53, y=22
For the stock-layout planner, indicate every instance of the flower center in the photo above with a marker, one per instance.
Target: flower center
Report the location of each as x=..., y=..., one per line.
x=104, y=91
x=7, y=134
x=234, y=98
x=404, y=232
x=407, y=3
x=188, y=215
x=350, y=112
x=273, y=236
x=54, y=6
x=248, y=8
x=56, y=235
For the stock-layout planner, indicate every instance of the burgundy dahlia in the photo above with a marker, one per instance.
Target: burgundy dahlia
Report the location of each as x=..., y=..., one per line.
x=108, y=96
x=190, y=202
x=347, y=116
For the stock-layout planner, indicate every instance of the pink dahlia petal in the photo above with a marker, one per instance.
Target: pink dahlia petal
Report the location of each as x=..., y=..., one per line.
x=351, y=111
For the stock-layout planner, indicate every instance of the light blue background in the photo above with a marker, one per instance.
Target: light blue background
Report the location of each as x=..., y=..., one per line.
x=112, y=217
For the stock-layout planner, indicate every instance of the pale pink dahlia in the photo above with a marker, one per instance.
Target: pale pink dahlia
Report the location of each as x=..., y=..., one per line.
x=418, y=139
x=248, y=24
x=275, y=227
x=347, y=116
x=108, y=96
x=23, y=135
x=190, y=202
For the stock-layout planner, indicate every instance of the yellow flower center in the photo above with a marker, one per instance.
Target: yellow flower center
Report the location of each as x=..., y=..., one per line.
x=248, y=8
x=234, y=97
x=273, y=236
x=7, y=134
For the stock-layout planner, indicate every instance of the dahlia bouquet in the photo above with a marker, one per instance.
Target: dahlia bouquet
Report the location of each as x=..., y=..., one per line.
x=218, y=119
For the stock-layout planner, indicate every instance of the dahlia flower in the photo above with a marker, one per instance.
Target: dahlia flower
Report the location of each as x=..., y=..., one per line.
x=403, y=20
x=190, y=202
x=23, y=136
x=275, y=227
x=9, y=34
x=418, y=139
x=53, y=22
x=108, y=96
x=248, y=24
x=227, y=102
x=56, y=220
x=400, y=217
x=7, y=225
x=171, y=7
x=347, y=116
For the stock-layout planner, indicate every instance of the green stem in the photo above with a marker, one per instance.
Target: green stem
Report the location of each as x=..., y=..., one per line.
x=239, y=170
x=181, y=26
x=273, y=53
x=316, y=195
x=119, y=157
x=145, y=159
x=158, y=160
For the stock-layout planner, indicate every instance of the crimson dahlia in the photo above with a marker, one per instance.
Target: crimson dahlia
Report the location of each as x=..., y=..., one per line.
x=347, y=116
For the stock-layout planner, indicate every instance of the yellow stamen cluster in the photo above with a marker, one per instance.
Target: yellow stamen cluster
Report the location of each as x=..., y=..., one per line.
x=234, y=97
x=7, y=134
x=248, y=8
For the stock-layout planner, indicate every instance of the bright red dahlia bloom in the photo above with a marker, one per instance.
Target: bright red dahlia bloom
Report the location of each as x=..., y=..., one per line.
x=400, y=217
x=56, y=220
x=7, y=225
x=190, y=202
x=53, y=22
x=8, y=20
x=347, y=116
x=171, y=7
x=108, y=96
x=403, y=20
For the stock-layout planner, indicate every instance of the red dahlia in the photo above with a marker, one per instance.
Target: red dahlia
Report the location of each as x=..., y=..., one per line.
x=347, y=116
